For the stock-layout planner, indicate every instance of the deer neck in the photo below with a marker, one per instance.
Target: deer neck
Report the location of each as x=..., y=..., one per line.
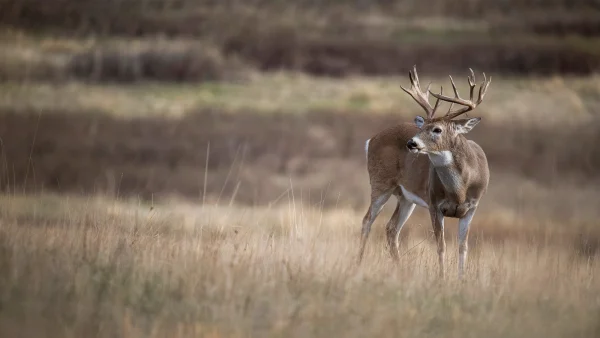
x=447, y=165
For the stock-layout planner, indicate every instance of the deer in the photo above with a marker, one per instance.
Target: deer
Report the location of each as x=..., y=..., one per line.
x=429, y=163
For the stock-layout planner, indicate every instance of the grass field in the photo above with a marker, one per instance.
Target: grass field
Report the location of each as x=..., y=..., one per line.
x=95, y=267
x=264, y=258
x=179, y=168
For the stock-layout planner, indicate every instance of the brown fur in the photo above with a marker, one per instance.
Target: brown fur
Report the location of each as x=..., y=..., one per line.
x=450, y=185
x=470, y=164
x=391, y=164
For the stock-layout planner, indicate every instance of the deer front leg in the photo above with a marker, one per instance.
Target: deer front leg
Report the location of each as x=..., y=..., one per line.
x=463, y=234
x=437, y=220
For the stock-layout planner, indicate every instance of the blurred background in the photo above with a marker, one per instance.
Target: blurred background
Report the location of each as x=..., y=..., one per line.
x=241, y=102
x=177, y=166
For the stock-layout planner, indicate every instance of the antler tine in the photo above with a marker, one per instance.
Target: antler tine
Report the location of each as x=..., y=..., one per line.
x=472, y=84
x=483, y=88
x=453, y=87
x=468, y=104
x=471, y=78
x=456, y=95
x=416, y=80
x=437, y=102
x=422, y=98
x=450, y=108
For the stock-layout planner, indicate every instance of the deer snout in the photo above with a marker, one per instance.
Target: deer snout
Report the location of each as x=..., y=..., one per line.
x=412, y=145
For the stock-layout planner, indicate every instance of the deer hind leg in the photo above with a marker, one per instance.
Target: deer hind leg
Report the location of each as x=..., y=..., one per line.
x=437, y=220
x=404, y=209
x=378, y=200
x=463, y=234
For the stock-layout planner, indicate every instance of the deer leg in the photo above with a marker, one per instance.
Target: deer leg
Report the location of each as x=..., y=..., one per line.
x=463, y=234
x=404, y=209
x=437, y=220
x=390, y=231
x=377, y=203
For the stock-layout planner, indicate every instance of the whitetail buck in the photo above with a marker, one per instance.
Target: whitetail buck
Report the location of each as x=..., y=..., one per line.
x=431, y=164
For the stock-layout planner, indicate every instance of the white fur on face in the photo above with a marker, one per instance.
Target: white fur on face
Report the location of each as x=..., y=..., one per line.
x=367, y=148
x=434, y=136
x=429, y=134
x=419, y=142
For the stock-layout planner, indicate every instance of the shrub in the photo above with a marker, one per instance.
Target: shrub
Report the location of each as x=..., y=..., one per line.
x=174, y=62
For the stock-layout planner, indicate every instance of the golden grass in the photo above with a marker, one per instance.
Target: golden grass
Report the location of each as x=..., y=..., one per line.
x=73, y=267
x=76, y=266
x=546, y=101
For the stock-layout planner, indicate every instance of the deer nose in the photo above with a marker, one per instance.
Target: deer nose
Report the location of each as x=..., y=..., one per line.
x=411, y=144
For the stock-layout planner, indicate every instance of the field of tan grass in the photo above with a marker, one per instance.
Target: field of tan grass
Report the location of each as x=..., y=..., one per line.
x=544, y=102
x=72, y=267
x=178, y=168
x=156, y=139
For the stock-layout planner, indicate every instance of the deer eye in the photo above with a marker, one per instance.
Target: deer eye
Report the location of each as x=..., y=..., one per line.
x=437, y=130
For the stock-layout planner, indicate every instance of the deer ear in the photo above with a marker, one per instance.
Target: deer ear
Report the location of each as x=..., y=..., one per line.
x=464, y=126
x=419, y=121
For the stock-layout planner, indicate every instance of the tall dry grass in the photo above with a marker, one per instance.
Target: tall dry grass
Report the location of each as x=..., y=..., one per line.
x=99, y=268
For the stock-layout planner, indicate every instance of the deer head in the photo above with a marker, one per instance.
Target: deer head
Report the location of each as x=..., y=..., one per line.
x=439, y=134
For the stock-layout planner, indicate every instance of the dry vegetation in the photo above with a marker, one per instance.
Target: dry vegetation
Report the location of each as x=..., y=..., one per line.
x=251, y=139
x=322, y=38
x=92, y=267
x=178, y=168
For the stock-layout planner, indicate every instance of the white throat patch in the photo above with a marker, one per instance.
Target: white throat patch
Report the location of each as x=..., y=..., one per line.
x=441, y=158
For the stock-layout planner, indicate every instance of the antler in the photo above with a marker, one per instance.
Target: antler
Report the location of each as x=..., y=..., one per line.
x=468, y=104
x=418, y=95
